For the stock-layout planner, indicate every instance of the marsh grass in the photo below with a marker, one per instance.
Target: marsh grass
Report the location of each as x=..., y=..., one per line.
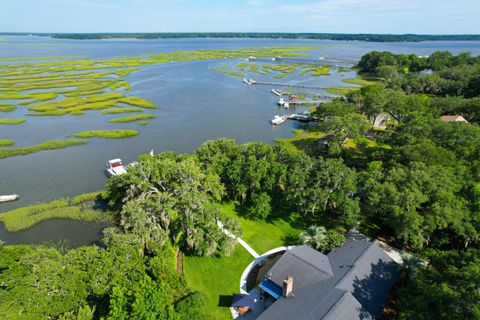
x=47, y=145
x=6, y=107
x=6, y=142
x=231, y=73
x=8, y=121
x=315, y=71
x=80, y=208
x=121, y=110
x=107, y=134
x=138, y=102
x=133, y=118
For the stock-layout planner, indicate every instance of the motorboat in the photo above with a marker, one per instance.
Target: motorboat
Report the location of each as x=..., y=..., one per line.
x=115, y=167
x=249, y=81
x=9, y=197
x=278, y=120
x=277, y=92
x=281, y=102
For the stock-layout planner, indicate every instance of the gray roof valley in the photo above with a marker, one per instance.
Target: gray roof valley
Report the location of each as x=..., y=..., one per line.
x=351, y=282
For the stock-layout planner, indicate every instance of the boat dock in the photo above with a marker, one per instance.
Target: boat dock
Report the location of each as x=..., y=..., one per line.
x=293, y=116
x=278, y=84
x=332, y=63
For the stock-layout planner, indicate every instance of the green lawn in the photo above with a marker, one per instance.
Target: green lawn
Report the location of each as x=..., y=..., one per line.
x=362, y=81
x=218, y=277
x=262, y=235
x=306, y=141
x=340, y=90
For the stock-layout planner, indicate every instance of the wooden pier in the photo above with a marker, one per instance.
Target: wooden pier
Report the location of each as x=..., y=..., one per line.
x=332, y=63
x=278, y=84
x=315, y=95
x=304, y=102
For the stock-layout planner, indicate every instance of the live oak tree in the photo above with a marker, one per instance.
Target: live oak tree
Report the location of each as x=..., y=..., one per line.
x=323, y=186
x=420, y=203
x=446, y=288
x=169, y=194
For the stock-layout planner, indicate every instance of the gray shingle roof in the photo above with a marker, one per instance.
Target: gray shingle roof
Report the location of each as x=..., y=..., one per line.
x=304, y=264
x=357, y=288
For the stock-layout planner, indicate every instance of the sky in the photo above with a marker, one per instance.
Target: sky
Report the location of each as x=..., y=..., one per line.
x=332, y=16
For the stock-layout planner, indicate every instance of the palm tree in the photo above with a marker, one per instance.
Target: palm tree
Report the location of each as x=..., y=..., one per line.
x=314, y=236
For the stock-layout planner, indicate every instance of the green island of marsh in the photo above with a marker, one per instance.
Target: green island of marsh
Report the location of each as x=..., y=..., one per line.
x=137, y=117
x=107, y=134
x=47, y=145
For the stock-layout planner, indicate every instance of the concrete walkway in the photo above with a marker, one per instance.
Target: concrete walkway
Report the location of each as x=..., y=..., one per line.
x=240, y=240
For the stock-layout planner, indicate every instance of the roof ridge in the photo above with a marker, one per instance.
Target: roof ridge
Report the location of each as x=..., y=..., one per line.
x=313, y=266
x=354, y=262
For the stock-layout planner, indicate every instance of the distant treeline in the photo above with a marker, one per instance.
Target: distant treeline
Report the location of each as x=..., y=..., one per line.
x=319, y=36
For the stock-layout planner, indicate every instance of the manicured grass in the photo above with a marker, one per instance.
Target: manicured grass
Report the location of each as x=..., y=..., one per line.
x=218, y=277
x=231, y=73
x=107, y=134
x=75, y=209
x=48, y=145
x=121, y=110
x=341, y=91
x=306, y=141
x=12, y=121
x=263, y=235
x=359, y=80
x=6, y=142
x=136, y=117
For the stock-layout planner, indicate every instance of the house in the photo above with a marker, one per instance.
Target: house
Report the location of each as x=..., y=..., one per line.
x=453, y=118
x=243, y=303
x=351, y=282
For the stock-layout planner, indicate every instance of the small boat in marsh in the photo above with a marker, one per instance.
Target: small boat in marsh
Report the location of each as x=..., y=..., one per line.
x=115, y=167
x=277, y=92
x=278, y=120
x=9, y=197
x=249, y=81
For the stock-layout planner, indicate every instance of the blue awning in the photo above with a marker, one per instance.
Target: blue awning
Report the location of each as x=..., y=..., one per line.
x=271, y=288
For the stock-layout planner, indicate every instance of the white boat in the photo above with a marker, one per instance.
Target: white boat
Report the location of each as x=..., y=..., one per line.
x=115, y=167
x=278, y=120
x=281, y=102
x=277, y=92
x=286, y=105
x=249, y=81
x=9, y=197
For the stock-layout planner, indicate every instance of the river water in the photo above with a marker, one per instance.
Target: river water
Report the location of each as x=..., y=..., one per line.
x=196, y=104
